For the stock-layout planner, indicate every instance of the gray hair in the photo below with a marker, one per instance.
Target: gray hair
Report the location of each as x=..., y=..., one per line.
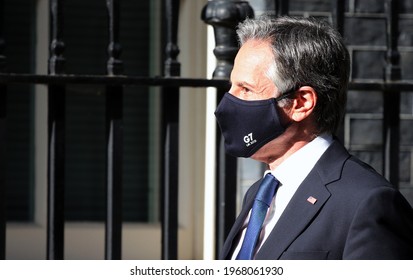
x=307, y=52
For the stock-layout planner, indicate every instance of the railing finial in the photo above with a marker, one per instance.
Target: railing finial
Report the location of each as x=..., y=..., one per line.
x=224, y=16
x=114, y=64
x=57, y=46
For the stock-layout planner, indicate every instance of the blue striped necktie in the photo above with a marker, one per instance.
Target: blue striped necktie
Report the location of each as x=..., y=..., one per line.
x=259, y=210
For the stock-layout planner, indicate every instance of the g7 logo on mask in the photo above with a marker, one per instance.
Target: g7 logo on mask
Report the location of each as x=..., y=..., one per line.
x=249, y=140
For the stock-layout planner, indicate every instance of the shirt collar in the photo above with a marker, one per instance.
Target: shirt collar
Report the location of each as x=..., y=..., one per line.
x=295, y=168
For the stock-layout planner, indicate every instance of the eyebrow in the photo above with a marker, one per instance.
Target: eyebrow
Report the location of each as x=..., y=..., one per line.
x=244, y=84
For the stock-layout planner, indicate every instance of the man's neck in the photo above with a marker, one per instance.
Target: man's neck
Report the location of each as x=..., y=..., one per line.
x=281, y=148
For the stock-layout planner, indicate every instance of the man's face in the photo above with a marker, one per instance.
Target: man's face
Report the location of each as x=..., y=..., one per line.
x=250, y=81
x=248, y=77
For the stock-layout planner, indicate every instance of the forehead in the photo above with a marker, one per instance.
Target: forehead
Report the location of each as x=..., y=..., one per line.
x=253, y=60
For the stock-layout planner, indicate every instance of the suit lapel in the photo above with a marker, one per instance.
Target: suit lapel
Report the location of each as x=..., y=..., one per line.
x=296, y=216
x=232, y=235
x=302, y=208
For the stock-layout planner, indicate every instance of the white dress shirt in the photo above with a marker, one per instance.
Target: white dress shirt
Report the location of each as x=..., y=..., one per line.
x=290, y=173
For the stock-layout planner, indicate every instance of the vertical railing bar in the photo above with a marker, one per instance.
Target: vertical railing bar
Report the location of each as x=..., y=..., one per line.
x=114, y=64
x=337, y=18
x=56, y=141
x=391, y=98
x=226, y=190
x=3, y=169
x=170, y=110
x=56, y=60
x=114, y=138
x=172, y=66
x=281, y=7
x=170, y=194
x=3, y=140
x=337, y=14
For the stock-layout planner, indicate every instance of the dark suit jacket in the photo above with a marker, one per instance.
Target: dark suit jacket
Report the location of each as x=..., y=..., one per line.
x=357, y=215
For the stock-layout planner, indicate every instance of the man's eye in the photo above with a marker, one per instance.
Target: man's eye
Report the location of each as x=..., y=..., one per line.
x=246, y=90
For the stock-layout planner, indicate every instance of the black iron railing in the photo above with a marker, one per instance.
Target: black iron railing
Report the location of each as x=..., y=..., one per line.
x=223, y=16
x=57, y=81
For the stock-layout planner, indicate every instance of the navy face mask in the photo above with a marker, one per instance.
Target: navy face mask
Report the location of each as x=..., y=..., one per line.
x=248, y=125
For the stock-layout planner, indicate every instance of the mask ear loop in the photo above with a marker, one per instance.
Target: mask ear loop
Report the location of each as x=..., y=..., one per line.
x=287, y=94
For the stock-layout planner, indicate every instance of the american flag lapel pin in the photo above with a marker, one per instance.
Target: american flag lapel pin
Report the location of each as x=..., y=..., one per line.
x=312, y=199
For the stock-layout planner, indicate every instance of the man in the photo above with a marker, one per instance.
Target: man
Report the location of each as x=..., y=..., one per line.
x=286, y=101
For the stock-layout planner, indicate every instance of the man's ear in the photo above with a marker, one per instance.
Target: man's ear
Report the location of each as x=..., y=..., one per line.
x=303, y=104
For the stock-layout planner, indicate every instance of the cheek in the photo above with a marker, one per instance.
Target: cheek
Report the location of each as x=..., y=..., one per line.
x=285, y=115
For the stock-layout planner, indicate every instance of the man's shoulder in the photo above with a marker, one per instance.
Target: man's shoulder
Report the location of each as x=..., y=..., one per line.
x=350, y=170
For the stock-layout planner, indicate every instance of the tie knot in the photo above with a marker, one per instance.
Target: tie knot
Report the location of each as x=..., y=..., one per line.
x=267, y=189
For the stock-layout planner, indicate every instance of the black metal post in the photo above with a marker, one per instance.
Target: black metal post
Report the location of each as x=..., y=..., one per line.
x=224, y=17
x=338, y=8
x=172, y=68
x=391, y=98
x=3, y=140
x=337, y=13
x=170, y=110
x=57, y=46
x=170, y=194
x=281, y=7
x=56, y=139
x=3, y=167
x=114, y=138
